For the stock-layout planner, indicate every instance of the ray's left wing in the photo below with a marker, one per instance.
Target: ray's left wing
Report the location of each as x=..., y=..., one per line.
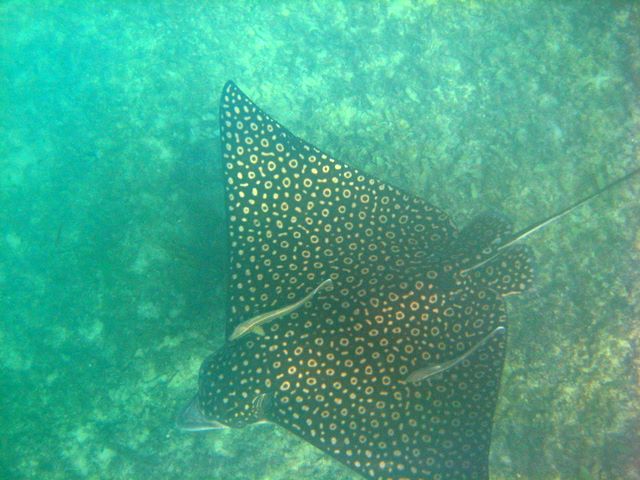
x=298, y=217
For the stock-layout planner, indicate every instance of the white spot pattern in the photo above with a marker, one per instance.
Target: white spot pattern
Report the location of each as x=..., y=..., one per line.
x=333, y=372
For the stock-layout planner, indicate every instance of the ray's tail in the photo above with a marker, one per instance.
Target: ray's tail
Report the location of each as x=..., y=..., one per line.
x=500, y=246
x=525, y=232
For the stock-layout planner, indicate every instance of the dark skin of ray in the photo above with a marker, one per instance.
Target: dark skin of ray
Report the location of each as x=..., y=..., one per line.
x=410, y=292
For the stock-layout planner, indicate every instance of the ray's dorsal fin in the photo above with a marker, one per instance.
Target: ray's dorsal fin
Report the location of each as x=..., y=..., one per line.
x=489, y=228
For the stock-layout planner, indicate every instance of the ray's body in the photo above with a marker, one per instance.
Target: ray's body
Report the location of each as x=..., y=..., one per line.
x=411, y=293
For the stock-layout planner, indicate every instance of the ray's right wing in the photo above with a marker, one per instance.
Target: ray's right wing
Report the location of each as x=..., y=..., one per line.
x=366, y=417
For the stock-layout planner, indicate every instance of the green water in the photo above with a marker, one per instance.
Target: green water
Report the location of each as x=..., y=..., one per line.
x=113, y=236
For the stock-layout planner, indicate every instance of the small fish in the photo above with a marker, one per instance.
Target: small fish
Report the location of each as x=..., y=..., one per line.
x=423, y=373
x=255, y=324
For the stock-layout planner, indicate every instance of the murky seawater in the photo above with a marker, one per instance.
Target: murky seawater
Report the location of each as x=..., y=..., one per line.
x=113, y=230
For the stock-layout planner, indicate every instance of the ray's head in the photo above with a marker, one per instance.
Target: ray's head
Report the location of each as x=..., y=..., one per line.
x=230, y=393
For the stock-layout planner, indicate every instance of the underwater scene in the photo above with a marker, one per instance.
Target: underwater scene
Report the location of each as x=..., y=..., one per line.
x=259, y=240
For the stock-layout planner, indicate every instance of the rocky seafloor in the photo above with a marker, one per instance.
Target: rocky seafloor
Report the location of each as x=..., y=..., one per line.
x=113, y=240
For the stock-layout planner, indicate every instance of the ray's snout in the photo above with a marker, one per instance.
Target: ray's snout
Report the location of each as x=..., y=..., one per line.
x=191, y=419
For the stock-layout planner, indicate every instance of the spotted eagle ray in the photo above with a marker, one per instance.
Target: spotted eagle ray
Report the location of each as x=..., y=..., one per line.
x=360, y=318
